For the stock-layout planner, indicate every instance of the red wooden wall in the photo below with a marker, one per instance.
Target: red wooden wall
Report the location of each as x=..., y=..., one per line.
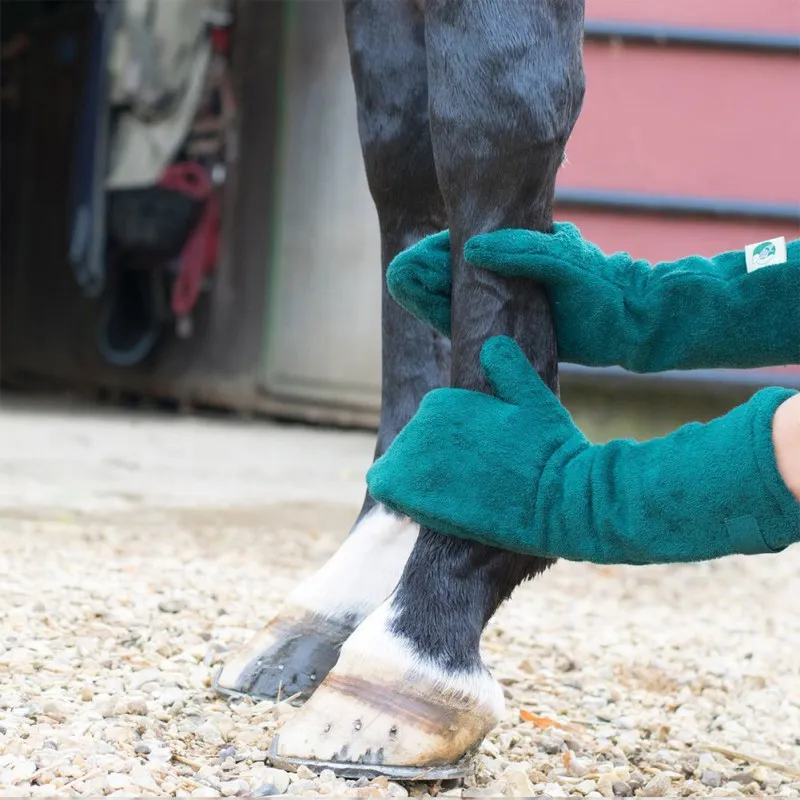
x=679, y=123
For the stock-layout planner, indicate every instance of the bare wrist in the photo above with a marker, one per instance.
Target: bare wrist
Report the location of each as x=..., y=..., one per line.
x=786, y=441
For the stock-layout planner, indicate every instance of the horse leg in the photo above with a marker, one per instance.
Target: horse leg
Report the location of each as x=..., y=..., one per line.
x=505, y=87
x=298, y=647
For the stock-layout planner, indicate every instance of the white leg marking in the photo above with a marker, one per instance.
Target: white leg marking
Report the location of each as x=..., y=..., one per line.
x=364, y=571
x=374, y=641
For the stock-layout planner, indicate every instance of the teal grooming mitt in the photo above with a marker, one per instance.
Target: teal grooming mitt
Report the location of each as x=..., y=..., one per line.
x=612, y=310
x=513, y=471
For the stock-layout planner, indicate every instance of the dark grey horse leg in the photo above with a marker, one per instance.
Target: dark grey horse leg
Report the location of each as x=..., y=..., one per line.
x=298, y=647
x=410, y=689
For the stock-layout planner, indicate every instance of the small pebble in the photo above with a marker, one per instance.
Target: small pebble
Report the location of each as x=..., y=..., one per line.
x=327, y=776
x=161, y=755
x=58, y=711
x=277, y=778
x=209, y=734
x=205, y=791
x=118, y=780
x=171, y=606
x=119, y=734
x=141, y=777
x=518, y=780
x=136, y=707
x=266, y=790
x=577, y=767
x=552, y=746
x=744, y=778
x=303, y=785
x=710, y=778
x=232, y=788
x=706, y=761
x=689, y=764
x=227, y=752
x=303, y=773
x=658, y=786
x=636, y=780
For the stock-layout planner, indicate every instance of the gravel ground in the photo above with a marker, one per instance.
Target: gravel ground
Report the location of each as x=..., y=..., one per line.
x=136, y=549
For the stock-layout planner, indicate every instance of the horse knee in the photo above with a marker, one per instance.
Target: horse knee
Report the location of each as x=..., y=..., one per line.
x=511, y=99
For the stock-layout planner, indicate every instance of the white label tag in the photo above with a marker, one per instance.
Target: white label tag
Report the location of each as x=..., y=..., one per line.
x=765, y=254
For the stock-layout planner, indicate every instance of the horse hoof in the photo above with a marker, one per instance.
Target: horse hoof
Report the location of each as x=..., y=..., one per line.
x=385, y=710
x=296, y=650
x=289, y=657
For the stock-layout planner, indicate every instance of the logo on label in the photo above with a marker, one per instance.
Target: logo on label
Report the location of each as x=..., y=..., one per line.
x=765, y=254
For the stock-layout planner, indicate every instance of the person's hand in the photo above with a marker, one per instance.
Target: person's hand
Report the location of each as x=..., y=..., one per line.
x=419, y=279
x=515, y=472
x=470, y=464
x=613, y=310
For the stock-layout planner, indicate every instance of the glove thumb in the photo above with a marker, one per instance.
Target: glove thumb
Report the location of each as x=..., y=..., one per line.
x=511, y=375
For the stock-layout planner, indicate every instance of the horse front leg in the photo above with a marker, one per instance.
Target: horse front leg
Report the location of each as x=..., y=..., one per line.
x=297, y=648
x=410, y=689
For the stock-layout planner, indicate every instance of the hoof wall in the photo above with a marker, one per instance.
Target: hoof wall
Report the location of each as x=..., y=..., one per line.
x=462, y=769
x=290, y=657
x=225, y=691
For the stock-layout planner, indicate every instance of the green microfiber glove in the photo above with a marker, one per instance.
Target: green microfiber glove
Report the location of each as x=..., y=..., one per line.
x=513, y=471
x=612, y=310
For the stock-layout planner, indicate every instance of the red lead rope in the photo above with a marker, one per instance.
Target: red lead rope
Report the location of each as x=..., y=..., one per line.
x=199, y=255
